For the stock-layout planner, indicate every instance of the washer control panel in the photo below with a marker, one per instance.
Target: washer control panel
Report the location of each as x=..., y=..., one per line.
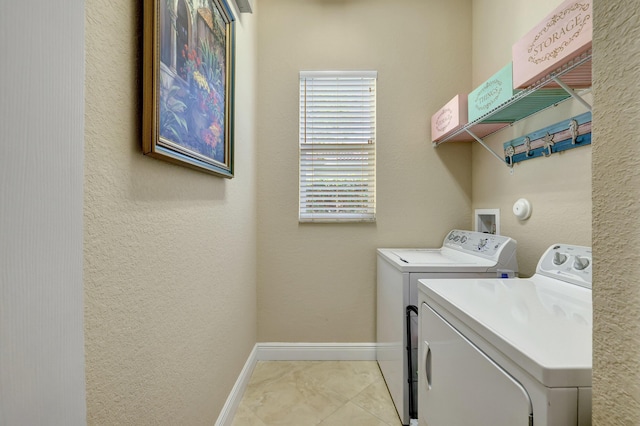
x=568, y=263
x=476, y=242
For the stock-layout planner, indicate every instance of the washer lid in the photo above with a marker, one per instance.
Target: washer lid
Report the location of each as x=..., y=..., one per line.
x=542, y=324
x=436, y=260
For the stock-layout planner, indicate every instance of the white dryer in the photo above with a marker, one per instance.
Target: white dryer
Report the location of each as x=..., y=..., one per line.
x=509, y=352
x=463, y=254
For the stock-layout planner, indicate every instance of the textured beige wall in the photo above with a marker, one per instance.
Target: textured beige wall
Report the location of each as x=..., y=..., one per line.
x=558, y=187
x=170, y=259
x=497, y=24
x=317, y=281
x=616, y=213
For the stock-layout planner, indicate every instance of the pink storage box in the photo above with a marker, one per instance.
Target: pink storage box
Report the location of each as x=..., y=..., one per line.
x=560, y=37
x=449, y=118
x=452, y=117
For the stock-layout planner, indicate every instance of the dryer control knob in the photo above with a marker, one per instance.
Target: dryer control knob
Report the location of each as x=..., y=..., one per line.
x=580, y=263
x=559, y=258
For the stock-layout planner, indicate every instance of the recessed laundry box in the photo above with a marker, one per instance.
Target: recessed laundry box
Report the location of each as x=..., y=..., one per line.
x=559, y=38
x=454, y=116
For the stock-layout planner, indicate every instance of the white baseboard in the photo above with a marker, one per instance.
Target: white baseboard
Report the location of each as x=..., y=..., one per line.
x=291, y=352
x=316, y=351
x=235, y=396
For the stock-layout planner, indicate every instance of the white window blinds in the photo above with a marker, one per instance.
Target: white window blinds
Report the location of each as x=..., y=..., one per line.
x=337, y=146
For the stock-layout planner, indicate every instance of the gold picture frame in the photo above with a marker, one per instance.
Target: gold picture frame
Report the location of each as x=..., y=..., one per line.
x=188, y=83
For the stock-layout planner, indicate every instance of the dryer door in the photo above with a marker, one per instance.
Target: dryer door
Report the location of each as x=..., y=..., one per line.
x=459, y=385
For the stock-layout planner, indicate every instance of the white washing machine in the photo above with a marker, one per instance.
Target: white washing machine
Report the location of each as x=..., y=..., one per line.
x=463, y=254
x=509, y=352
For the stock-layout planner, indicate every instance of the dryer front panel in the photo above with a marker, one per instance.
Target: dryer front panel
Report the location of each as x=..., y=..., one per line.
x=459, y=385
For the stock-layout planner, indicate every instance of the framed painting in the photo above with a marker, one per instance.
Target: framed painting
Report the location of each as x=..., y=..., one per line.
x=188, y=83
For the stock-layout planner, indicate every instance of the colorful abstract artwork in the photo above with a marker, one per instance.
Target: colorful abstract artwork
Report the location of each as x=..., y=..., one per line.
x=189, y=46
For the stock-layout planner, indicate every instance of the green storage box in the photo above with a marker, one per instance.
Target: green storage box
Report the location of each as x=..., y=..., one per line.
x=492, y=93
x=506, y=104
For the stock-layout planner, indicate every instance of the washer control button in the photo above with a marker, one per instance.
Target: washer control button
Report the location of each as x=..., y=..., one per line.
x=580, y=263
x=559, y=258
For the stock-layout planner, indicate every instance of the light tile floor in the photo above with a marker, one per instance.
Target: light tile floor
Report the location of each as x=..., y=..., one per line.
x=325, y=393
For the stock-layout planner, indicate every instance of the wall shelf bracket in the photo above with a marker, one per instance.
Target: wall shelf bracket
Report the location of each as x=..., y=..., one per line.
x=481, y=142
x=572, y=92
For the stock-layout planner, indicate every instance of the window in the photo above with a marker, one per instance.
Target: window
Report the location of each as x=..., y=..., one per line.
x=337, y=146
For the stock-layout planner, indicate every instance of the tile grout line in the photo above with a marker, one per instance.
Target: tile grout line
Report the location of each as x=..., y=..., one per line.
x=323, y=386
